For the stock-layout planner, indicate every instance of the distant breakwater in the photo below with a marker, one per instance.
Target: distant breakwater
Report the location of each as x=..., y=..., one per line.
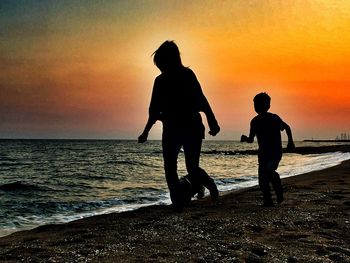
x=298, y=150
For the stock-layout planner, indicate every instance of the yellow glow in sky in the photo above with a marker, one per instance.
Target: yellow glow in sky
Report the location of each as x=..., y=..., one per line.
x=76, y=70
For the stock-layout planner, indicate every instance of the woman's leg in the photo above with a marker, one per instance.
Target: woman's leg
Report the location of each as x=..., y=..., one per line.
x=209, y=183
x=197, y=175
x=179, y=192
x=192, y=149
x=171, y=148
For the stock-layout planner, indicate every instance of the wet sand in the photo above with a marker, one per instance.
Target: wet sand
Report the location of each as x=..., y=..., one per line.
x=312, y=225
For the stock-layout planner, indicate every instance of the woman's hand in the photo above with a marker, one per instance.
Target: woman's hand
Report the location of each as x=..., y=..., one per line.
x=214, y=129
x=143, y=137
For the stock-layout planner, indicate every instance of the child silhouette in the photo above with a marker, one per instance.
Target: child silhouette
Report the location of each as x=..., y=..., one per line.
x=177, y=99
x=267, y=128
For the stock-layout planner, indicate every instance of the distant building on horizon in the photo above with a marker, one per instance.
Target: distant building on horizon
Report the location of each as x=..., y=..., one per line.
x=343, y=137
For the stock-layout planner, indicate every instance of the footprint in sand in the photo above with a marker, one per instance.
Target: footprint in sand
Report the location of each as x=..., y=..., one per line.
x=255, y=228
x=336, y=196
x=293, y=236
x=347, y=203
x=328, y=224
x=319, y=201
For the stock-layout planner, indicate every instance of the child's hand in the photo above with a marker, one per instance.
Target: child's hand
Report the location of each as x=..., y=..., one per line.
x=143, y=137
x=244, y=138
x=214, y=130
x=290, y=146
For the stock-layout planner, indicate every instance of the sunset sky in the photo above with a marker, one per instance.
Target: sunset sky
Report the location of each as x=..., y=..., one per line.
x=83, y=69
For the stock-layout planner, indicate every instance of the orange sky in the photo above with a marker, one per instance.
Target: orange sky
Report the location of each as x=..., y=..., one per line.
x=84, y=69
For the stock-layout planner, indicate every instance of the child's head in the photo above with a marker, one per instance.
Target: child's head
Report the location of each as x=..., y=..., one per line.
x=167, y=56
x=262, y=102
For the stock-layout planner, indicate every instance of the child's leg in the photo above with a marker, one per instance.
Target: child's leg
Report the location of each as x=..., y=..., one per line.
x=275, y=178
x=264, y=183
x=277, y=186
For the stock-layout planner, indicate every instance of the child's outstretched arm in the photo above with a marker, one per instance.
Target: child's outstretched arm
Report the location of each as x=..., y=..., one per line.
x=290, y=145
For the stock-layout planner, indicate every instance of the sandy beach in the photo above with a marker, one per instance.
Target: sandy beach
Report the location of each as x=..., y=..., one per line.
x=312, y=225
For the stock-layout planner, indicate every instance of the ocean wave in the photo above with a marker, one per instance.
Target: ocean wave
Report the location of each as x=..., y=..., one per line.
x=93, y=177
x=225, y=181
x=20, y=186
x=131, y=162
x=128, y=162
x=315, y=162
x=13, y=163
x=19, y=223
x=157, y=152
x=219, y=152
x=142, y=189
x=5, y=158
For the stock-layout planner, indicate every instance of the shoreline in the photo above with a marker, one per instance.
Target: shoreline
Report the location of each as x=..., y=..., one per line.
x=311, y=225
x=234, y=187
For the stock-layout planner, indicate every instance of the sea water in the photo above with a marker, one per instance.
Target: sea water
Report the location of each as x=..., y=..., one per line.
x=56, y=181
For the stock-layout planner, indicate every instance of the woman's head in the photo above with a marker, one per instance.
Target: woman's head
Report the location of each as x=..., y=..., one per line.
x=167, y=56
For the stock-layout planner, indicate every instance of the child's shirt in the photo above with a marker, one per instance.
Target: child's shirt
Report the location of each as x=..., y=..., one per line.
x=267, y=127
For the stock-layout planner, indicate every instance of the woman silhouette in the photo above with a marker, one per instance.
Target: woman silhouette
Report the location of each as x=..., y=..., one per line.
x=177, y=99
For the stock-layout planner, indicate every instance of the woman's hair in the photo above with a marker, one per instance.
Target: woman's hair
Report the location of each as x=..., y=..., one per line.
x=167, y=56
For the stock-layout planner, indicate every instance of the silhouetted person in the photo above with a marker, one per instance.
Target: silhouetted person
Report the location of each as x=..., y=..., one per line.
x=177, y=99
x=267, y=128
